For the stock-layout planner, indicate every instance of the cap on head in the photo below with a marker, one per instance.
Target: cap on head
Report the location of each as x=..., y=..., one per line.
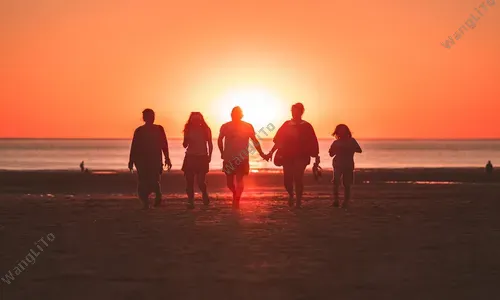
x=148, y=115
x=237, y=113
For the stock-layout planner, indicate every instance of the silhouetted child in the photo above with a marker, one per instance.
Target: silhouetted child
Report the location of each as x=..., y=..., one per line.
x=489, y=168
x=342, y=150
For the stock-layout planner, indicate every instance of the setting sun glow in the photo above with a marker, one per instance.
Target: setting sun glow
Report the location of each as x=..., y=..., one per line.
x=101, y=63
x=260, y=107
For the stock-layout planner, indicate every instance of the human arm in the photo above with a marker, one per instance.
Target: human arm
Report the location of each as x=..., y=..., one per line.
x=210, y=145
x=164, y=148
x=257, y=146
x=220, y=141
x=314, y=144
x=357, y=148
x=185, y=142
x=256, y=143
x=133, y=151
x=333, y=149
x=273, y=149
x=278, y=140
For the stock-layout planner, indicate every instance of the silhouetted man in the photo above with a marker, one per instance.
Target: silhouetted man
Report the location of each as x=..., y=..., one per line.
x=148, y=144
x=82, y=166
x=233, y=145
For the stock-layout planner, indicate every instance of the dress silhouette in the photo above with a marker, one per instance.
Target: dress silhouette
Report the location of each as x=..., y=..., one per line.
x=199, y=147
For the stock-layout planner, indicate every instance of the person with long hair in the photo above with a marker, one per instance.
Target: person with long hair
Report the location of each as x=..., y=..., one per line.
x=342, y=150
x=296, y=143
x=199, y=147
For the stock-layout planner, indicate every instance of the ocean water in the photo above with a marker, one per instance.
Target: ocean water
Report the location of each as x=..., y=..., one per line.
x=66, y=154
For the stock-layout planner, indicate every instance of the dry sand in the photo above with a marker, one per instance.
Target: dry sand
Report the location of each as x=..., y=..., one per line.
x=399, y=241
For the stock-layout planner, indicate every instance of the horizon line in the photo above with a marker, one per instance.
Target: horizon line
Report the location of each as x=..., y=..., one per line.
x=265, y=138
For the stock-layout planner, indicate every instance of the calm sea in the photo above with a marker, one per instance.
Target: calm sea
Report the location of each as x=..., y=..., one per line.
x=66, y=154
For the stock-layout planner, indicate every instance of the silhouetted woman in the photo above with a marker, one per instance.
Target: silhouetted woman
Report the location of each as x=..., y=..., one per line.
x=296, y=143
x=342, y=150
x=199, y=147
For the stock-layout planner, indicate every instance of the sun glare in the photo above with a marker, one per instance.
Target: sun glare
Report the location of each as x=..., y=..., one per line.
x=259, y=106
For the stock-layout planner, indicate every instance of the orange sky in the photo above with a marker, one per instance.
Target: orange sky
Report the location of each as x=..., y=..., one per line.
x=88, y=68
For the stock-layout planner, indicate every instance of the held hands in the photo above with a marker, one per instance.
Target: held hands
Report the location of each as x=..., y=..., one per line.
x=168, y=164
x=269, y=156
x=266, y=157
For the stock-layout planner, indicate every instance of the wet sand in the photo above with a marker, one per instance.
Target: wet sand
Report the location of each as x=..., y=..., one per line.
x=398, y=241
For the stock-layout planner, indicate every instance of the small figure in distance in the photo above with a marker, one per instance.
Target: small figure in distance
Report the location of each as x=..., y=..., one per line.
x=148, y=144
x=197, y=138
x=489, y=168
x=342, y=150
x=82, y=166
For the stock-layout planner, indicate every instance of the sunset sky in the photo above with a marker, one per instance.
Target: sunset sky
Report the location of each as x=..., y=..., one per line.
x=88, y=68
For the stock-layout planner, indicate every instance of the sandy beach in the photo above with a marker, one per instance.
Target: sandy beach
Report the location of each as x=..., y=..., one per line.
x=433, y=235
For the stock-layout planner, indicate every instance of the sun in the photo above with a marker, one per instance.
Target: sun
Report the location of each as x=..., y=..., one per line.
x=260, y=107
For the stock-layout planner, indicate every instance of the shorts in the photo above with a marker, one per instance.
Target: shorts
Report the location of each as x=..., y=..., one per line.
x=297, y=160
x=195, y=164
x=236, y=167
x=346, y=175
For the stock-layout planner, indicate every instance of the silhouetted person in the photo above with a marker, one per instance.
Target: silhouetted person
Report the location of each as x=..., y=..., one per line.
x=342, y=150
x=82, y=166
x=489, y=168
x=146, y=154
x=233, y=145
x=296, y=143
x=197, y=138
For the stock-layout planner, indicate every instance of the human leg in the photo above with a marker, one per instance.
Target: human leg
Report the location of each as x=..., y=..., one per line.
x=288, y=181
x=190, y=188
x=348, y=177
x=144, y=186
x=240, y=186
x=143, y=192
x=298, y=178
x=337, y=176
x=156, y=182
x=230, y=182
x=201, y=178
